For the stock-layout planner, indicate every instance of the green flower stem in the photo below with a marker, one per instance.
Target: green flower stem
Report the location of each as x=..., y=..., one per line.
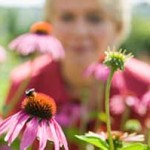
x=107, y=97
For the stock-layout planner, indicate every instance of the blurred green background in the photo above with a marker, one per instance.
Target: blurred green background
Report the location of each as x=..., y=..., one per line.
x=138, y=41
x=16, y=21
x=13, y=22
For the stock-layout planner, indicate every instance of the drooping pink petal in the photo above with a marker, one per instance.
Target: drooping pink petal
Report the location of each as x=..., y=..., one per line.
x=7, y=123
x=31, y=42
x=42, y=134
x=29, y=134
x=16, y=128
x=56, y=47
x=23, y=44
x=98, y=70
x=60, y=134
x=102, y=72
x=52, y=136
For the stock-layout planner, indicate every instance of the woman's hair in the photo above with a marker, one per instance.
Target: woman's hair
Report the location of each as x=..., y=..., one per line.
x=118, y=10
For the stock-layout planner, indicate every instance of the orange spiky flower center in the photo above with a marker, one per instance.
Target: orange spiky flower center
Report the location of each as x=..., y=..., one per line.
x=42, y=28
x=39, y=105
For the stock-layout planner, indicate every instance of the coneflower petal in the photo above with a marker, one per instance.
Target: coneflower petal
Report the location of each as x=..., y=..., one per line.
x=30, y=42
x=16, y=128
x=29, y=134
x=7, y=123
x=42, y=135
x=60, y=135
x=54, y=136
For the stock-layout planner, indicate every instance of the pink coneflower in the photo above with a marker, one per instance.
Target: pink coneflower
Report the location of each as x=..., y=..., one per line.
x=36, y=120
x=98, y=70
x=119, y=136
x=40, y=40
x=2, y=54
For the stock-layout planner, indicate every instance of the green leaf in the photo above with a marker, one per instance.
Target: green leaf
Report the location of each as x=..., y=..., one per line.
x=136, y=146
x=98, y=142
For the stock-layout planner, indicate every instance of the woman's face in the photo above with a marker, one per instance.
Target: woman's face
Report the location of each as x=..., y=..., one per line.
x=85, y=30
